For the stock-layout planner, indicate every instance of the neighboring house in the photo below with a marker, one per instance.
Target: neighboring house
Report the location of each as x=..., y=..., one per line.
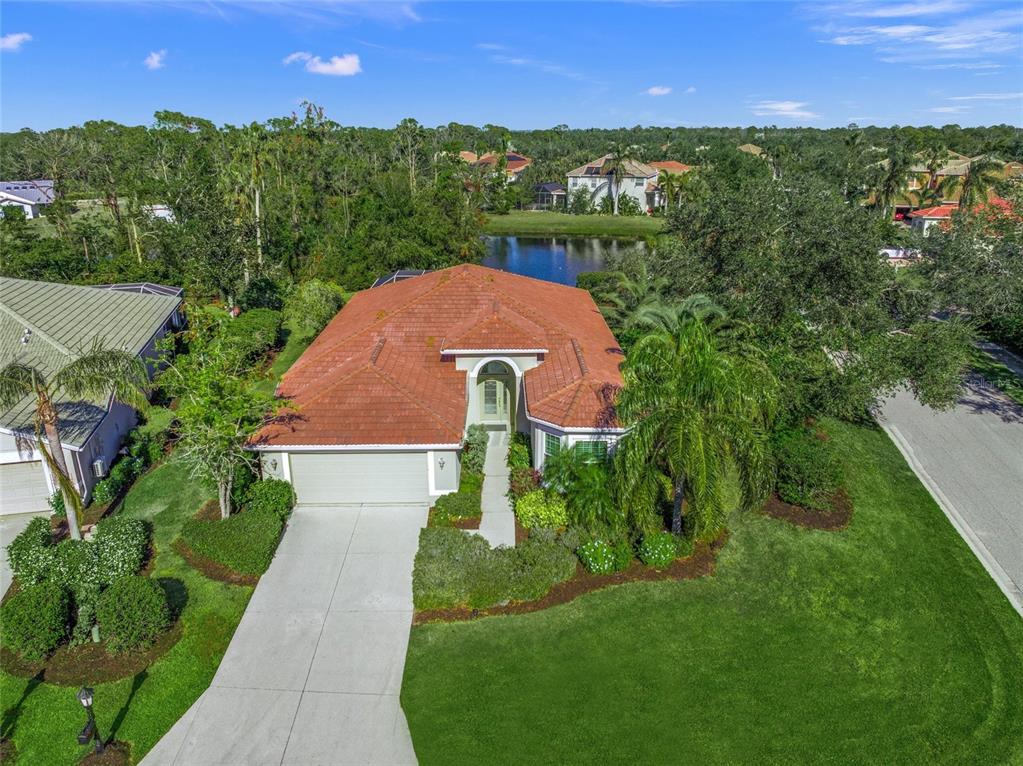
x=383, y=396
x=515, y=163
x=753, y=149
x=27, y=195
x=633, y=180
x=160, y=212
x=45, y=325
x=922, y=220
x=550, y=196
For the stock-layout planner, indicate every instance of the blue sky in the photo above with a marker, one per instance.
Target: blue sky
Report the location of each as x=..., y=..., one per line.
x=522, y=65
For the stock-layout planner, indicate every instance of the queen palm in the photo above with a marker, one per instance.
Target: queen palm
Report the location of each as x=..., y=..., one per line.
x=95, y=374
x=693, y=410
x=981, y=175
x=618, y=157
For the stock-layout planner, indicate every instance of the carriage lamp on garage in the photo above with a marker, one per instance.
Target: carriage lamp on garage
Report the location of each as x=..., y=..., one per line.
x=90, y=731
x=441, y=463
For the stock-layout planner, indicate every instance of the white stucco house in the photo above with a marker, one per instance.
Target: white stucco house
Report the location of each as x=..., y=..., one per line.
x=45, y=325
x=26, y=195
x=382, y=398
x=637, y=179
x=922, y=220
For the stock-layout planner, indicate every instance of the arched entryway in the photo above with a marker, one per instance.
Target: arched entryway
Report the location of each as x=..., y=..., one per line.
x=495, y=393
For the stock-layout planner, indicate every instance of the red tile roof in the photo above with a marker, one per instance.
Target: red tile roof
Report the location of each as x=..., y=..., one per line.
x=672, y=166
x=376, y=374
x=938, y=211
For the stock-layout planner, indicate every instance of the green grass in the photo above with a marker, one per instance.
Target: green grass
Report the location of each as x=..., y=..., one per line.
x=295, y=342
x=887, y=642
x=85, y=210
x=43, y=719
x=998, y=375
x=525, y=223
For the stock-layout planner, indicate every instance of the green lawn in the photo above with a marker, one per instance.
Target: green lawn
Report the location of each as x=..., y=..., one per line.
x=539, y=224
x=999, y=375
x=44, y=719
x=885, y=643
x=295, y=342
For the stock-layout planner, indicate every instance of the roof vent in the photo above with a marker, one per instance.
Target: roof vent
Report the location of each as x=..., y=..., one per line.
x=376, y=350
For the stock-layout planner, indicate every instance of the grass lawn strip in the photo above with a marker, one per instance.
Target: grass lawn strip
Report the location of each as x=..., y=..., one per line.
x=524, y=223
x=885, y=642
x=999, y=376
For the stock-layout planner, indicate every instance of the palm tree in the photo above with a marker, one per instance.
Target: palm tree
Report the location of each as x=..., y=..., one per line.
x=981, y=175
x=892, y=182
x=668, y=183
x=630, y=294
x=693, y=410
x=618, y=157
x=96, y=374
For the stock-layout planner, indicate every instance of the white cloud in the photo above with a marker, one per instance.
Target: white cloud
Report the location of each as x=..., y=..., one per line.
x=543, y=66
x=901, y=10
x=949, y=109
x=691, y=89
x=155, y=60
x=989, y=97
x=491, y=47
x=793, y=110
x=337, y=66
x=14, y=41
x=658, y=90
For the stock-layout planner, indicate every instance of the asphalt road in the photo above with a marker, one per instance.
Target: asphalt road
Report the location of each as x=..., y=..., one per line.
x=971, y=460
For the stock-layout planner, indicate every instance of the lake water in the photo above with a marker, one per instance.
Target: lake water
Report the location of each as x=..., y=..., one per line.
x=556, y=259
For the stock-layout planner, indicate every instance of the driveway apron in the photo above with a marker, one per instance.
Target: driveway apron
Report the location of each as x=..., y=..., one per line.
x=313, y=672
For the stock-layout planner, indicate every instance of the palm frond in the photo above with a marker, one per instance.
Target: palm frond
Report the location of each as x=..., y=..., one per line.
x=18, y=380
x=101, y=372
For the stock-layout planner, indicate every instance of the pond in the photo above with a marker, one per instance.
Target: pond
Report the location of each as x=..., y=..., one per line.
x=556, y=259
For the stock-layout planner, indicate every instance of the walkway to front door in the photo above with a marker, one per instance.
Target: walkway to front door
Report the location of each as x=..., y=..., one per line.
x=313, y=673
x=497, y=524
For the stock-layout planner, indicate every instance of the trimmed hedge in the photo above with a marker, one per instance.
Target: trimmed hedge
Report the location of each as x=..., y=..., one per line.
x=601, y=557
x=454, y=569
x=34, y=621
x=144, y=449
x=474, y=451
x=808, y=470
x=132, y=613
x=274, y=495
x=464, y=504
x=30, y=553
x=522, y=481
x=244, y=542
x=540, y=508
x=519, y=452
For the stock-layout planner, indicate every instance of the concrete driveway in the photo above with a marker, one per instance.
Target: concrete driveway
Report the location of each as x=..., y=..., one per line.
x=314, y=670
x=971, y=460
x=10, y=527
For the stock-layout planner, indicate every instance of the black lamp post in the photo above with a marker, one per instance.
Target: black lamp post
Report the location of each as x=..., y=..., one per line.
x=90, y=731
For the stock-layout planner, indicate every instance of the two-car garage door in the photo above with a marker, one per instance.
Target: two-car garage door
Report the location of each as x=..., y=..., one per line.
x=330, y=478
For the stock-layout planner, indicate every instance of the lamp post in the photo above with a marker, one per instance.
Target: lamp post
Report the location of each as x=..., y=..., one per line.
x=90, y=731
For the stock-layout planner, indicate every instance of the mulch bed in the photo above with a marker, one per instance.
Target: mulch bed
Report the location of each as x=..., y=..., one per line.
x=832, y=520
x=521, y=533
x=459, y=522
x=210, y=511
x=89, y=663
x=114, y=754
x=699, y=564
x=8, y=752
x=212, y=569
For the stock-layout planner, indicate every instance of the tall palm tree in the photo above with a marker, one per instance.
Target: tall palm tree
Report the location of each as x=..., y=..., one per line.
x=96, y=374
x=668, y=183
x=693, y=410
x=631, y=293
x=896, y=170
x=618, y=158
x=981, y=175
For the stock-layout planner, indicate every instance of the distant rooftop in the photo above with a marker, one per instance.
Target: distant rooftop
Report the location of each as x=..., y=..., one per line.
x=399, y=276
x=39, y=192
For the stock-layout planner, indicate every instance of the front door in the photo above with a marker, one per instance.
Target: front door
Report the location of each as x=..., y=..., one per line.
x=494, y=403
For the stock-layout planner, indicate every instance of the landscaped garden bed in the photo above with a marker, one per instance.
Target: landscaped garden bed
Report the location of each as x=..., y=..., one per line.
x=810, y=489
x=836, y=517
x=463, y=509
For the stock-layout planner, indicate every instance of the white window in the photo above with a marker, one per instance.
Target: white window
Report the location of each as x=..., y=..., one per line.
x=551, y=444
x=596, y=449
x=638, y=182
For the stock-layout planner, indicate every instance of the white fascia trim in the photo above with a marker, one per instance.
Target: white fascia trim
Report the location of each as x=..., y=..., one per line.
x=353, y=447
x=574, y=429
x=494, y=351
x=31, y=437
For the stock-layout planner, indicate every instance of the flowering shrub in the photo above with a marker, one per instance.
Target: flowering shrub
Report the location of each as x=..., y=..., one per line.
x=658, y=550
x=31, y=552
x=541, y=509
x=117, y=550
x=597, y=556
x=132, y=613
x=34, y=621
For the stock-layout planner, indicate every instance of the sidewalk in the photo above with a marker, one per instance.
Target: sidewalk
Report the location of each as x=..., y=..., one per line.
x=498, y=522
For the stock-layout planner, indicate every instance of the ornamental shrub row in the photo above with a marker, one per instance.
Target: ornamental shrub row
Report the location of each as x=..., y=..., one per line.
x=464, y=504
x=474, y=451
x=118, y=549
x=455, y=569
x=540, y=508
x=522, y=481
x=144, y=448
x=244, y=542
x=518, y=451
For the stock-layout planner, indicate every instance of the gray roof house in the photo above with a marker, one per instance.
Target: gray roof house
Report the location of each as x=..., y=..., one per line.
x=45, y=325
x=26, y=195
